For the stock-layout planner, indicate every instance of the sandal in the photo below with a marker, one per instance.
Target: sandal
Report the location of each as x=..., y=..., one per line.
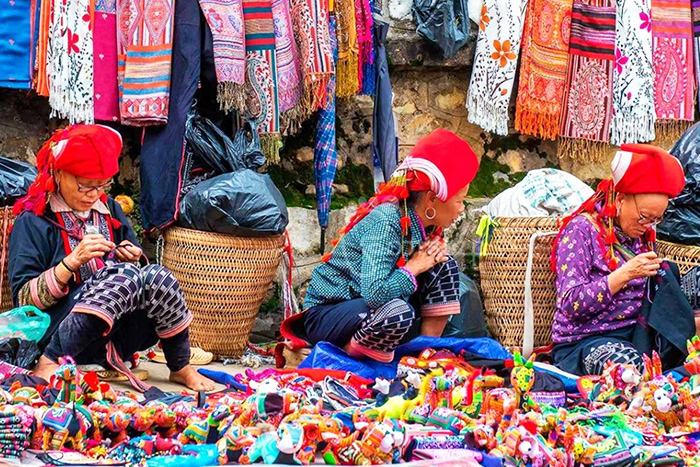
x=198, y=356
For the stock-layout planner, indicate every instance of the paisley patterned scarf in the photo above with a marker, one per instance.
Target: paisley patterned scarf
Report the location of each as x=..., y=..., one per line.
x=348, y=49
x=585, y=123
x=70, y=67
x=288, y=69
x=310, y=23
x=672, y=57
x=495, y=64
x=633, y=89
x=225, y=19
x=543, y=67
x=262, y=105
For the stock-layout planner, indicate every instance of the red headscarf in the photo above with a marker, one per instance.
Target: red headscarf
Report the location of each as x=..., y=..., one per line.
x=636, y=169
x=86, y=151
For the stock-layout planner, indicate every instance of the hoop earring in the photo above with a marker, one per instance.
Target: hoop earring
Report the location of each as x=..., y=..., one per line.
x=430, y=216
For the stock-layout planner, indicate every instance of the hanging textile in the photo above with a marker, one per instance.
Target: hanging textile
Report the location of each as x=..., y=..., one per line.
x=105, y=61
x=347, y=74
x=163, y=149
x=674, y=83
x=325, y=154
x=288, y=69
x=543, y=67
x=585, y=123
x=70, y=70
x=695, y=16
x=365, y=26
x=41, y=79
x=385, y=143
x=495, y=64
x=262, y=105
x=18, y=27
x=633, y=83
x=145, y=51
x=225, y=19
x=310, y=23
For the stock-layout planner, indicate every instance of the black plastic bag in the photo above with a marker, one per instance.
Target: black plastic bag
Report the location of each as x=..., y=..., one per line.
x=470, y=321
x=15, y=178
x=243, y=203
x=443, y=22
x=19, y=352
x=216, y=150
x=681, y=222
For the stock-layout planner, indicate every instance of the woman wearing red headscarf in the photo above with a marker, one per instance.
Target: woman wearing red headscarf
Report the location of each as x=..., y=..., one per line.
x=391, y=264
x=604, y=256
x=74, y=255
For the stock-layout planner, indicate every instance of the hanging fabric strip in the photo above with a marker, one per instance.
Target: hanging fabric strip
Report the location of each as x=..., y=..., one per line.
x=495, y=64
x=585, y=123
x=289, y=79
x=145, y=32
x=41, y=79
x=365, y=37
x=105, y=61
x=348, y=49
x=543, y=67
x=310, y=23
x=262, y=105
x=225, y=19
x=634, y=115
x=18, y=27
x=71, y=71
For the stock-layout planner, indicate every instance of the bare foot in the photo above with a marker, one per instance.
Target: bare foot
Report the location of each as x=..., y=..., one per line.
x=45, y=368
x=189, y=377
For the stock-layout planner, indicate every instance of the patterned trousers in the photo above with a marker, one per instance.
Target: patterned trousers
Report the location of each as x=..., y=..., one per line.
x=123, y=309
x=375, y=333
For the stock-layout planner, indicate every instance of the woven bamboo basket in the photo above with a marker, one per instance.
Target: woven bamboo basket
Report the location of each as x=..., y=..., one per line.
x=6, y=220
x=503, y=272
x=224, y=279
x=686, y=257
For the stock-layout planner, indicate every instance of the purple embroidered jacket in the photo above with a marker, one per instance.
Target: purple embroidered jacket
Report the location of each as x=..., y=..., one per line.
x=585, y=305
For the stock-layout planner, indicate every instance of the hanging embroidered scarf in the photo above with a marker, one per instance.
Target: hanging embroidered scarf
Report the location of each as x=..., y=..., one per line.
x=288, y=69
x=225, y=19
x=310, y=23
x=18, y=21
x=495, y=64
x=348, y=49
x=585, y=123
x=672, y=57
x=365, y=39
x=695, y=16
x=543, y=67
x=262, y=105
x=70, y=70
x=633, y=83
x=145, y=33
x=105, y=61
x=41, y=79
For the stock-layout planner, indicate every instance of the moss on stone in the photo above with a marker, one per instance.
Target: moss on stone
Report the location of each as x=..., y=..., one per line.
x=484, y=185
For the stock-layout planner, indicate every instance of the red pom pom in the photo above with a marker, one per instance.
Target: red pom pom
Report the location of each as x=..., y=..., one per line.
x=403, y=192
x=610, y=238
x=326, y=257
x=609, y=211
x=405, y=224
x=335, y=241
x=401, y=262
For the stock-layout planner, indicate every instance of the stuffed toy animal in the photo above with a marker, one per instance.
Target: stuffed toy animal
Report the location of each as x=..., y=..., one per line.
x=62, y=427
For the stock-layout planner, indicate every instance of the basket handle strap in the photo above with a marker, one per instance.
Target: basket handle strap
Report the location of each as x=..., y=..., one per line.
x=529, y=318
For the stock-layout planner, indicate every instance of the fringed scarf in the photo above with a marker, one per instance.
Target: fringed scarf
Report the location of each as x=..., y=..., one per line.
x=585, y=123
x=674, y=84
x=145, y=48
x=543, y=67
x=70, y=70
x=18, y=26
x=105, y=61
x=495, y=64
x=262, y=105
x=288, y=69
x=348, y=49
x=634, y=116
x=309, y=20
x=41, y=78
x=365, y=39
x=695, y=15
x=225, y=19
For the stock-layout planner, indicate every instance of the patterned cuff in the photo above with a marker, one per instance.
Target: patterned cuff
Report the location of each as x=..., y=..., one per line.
x=54, y=287
x=440, y=309
x=410, y=276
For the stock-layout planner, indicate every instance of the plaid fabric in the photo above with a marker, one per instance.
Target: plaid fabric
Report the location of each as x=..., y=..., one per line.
x=439, y=290
x=325, y=154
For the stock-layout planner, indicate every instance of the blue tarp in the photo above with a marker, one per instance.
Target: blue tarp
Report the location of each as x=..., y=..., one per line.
x=328, y=356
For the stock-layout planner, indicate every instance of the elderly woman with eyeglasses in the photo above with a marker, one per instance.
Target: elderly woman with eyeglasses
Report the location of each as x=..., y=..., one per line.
x=603, y=256
x=74, y=255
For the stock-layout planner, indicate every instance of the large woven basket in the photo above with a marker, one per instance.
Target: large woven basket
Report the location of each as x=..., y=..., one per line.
x=224, y=279
x=6, y=220
x=504, y=279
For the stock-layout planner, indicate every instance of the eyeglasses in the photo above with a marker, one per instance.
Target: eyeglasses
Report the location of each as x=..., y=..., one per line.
x=89, y=189
x=645, y=220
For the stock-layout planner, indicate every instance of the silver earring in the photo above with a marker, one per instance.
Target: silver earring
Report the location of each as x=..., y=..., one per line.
x=430, y=216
